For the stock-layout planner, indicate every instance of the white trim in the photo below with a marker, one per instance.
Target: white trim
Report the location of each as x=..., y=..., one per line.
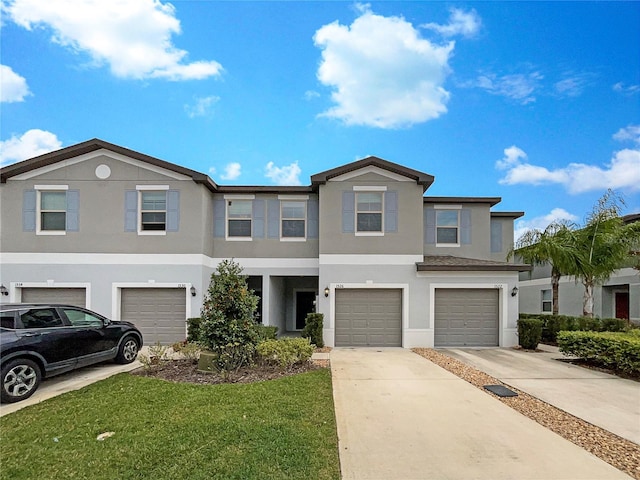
x=368, y=259
x=293, y=198
x=373, y=188
x=15, y=289
x=101, y=152
x=447, y=207
x=185, y=259
x=386, y=286
x=239, y=197
x=152, y=187
x=116, y=295
x=371, y=169
x=51, y=187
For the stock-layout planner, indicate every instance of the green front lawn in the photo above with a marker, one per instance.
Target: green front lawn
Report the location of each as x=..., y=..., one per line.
x=280, y=429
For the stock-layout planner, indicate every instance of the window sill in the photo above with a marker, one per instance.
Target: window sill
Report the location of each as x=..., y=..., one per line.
x=51, y=232
x=293, y=239
x=369, y=234
x=452, y=245
x=239, y=239
x=151, y=233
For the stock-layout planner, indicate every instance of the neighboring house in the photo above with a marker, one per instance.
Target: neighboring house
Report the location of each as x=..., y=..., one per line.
x=619, y=297
x=137, y=238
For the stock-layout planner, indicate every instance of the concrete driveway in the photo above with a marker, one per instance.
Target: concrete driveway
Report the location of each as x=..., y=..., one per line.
x=401, y=417
x=74, y=380
x=610, y=402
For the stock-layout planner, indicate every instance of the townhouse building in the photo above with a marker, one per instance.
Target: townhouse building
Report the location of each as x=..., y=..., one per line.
x=137, y=238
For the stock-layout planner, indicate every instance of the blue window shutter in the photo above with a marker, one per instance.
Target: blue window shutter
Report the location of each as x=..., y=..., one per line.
x=312, y=218
x=173, y=210
x=465, y=226
x=391, y=211
x=29, y=211
x=219, y=209
x=273, y=219
x=258, y=218
x=73, y=211
x=496, y=236
x=348, y=212
x=130, y=211
x=430, y=226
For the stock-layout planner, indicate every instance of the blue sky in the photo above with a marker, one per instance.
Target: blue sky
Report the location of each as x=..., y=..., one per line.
x=535, y=102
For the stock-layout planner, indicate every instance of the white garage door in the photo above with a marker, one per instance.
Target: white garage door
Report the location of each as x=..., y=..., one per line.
x=466, y=317
x=368, y=318
x=67, y=296
x=159, y=313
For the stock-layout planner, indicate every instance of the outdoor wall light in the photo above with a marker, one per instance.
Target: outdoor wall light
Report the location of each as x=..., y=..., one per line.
x=514, y=291
x=193, y=291
x=326, y=291
x=3, y=290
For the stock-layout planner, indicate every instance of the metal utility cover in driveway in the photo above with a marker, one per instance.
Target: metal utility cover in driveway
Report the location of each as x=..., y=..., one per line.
x=500, y=390
x=368, y=318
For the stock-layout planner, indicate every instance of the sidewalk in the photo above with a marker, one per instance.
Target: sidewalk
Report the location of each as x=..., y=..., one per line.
x=402, y=417
x=601, y=399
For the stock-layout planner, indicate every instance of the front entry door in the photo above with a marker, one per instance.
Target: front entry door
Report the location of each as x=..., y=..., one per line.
x=305, y=303
x=622, y=305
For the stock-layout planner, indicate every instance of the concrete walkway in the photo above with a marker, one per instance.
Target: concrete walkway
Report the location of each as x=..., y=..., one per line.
x=610, y=402
x=401, y=417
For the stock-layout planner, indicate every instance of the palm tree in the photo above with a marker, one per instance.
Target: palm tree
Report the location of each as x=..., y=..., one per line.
x=552, y=246
x=605, y=244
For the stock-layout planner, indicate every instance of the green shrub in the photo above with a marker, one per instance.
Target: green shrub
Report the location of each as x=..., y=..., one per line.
x=616, y=350
x=193, y=329
x=266, y=332
x=228, y=328
x=529, y=332
x=552, y=324
x=189, y=350
x=313, y=329
x=285, y=352
x=614, y=325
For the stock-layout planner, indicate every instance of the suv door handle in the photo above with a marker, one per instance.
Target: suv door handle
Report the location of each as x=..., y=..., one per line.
x=31, y=334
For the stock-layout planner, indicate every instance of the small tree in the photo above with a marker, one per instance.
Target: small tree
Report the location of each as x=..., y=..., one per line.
x=227, y=327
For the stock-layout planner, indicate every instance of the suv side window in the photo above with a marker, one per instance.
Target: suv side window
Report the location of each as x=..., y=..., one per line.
x=7, y=320
x=80, y=318
x=41, y=318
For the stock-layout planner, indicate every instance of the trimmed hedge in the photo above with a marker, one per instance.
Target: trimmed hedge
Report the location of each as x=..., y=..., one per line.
x=552, y=324
x=285, y=352
x=616, y=350
x=313, y=329
x=529, y=332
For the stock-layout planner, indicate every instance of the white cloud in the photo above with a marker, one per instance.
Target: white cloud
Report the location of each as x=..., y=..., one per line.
x=202, y=106
x=13, y=87
x=383, y=74
x=231, y=171
x=626, y=89
x=572, y=85
x=466, y=24
x=30, y=144
x=542, y=222
x=623, y=172
x=132, y=37
x=311, y=94
x=287, y=175
x=519, y=87
x=629, y=133
x=512, y=156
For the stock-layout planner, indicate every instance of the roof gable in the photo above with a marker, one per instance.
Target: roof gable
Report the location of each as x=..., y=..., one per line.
x=421, y=178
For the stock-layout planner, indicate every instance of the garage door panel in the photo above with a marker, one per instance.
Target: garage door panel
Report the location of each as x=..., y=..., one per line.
x=368, y=317
x=68, y=296
x=466, y=317
x=159, y=313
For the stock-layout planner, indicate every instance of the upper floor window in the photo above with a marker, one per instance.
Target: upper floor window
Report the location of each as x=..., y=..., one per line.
x=447, y=226
x=153, y=211
x=294, y=219
x=546, y=301
x=369, y=211
x=239, y=218
x=53, y=211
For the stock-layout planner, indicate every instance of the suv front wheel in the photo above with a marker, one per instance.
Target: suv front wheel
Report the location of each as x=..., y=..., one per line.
x=128, y=350
x=20, y=379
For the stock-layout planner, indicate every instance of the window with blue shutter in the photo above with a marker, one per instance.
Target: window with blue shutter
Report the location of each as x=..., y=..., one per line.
x=258, y=218
x=173, y=210
x=348, y=211
x=312, y=218
x=391, y=211
x=219, y=217
x=273, y=219
x=29, y=199
x=496, y=236
x=465, y=226
x=73, y=211
x=130, y=211
x=429, y=226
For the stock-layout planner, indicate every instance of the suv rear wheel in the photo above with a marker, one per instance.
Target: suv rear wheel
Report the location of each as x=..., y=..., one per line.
x=20, y=379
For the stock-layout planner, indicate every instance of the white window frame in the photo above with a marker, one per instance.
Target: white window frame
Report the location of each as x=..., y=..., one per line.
x=40, y=189
x=543, y=301
x=231, y=198
x=304, y=199
x=369, y=189
x=458, y=208
x=151, y=188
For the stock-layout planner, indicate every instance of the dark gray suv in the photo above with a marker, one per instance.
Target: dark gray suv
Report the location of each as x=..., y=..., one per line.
x=38, y=341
